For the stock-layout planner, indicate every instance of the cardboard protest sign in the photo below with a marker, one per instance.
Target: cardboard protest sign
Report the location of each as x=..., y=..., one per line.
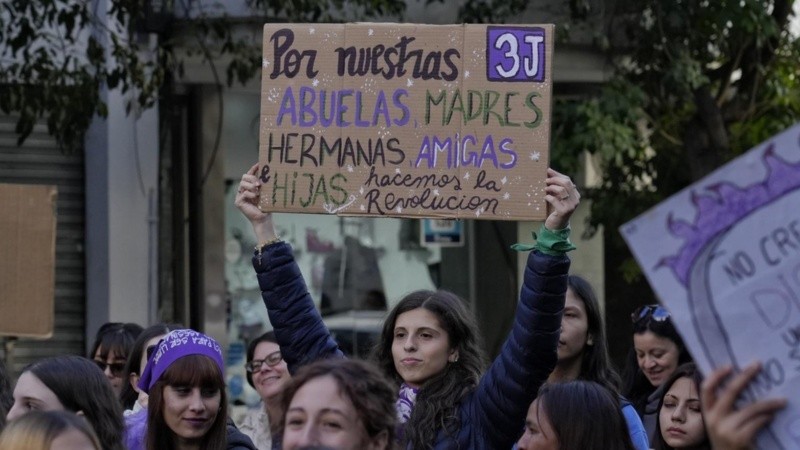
x=724, y=257
x=406, y=120
x=27, y=265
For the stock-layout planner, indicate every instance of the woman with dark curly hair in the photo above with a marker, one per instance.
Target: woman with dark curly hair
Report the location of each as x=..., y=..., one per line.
x=339, y=404
x=430, y=345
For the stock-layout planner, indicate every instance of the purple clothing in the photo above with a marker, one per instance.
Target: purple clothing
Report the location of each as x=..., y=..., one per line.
x=176, y=345
x=136, y=430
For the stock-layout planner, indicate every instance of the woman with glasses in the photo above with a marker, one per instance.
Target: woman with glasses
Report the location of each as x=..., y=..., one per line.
x=680, y=423
x=112, y=345
x=268, y=374
x=74, y=384
x=657, y=352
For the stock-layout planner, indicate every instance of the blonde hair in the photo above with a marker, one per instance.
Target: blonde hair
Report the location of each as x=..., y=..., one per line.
x=37, y=430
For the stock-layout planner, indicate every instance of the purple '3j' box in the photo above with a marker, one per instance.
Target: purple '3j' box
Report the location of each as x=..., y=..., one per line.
x=515, y=54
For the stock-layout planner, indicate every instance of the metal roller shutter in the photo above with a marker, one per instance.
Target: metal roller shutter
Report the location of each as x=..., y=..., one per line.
x=40, y=161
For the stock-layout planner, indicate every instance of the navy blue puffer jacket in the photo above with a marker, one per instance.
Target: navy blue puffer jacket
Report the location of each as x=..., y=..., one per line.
x=492, y=416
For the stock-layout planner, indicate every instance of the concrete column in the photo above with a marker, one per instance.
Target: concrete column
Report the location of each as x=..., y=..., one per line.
x=121, y=211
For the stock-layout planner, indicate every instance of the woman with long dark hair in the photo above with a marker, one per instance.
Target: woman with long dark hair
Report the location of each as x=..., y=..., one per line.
x=583, y=352
x=430, y=344
x=657, y=351
x=575, y=415
x=187, y=406
x=680, y=415
x=75, y=384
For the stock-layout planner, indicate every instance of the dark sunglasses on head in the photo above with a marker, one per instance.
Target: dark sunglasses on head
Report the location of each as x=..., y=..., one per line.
x=117, y=369
x=271, y=360
x=654, y=312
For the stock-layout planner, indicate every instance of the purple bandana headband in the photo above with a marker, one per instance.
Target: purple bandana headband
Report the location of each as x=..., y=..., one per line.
x=176, y=345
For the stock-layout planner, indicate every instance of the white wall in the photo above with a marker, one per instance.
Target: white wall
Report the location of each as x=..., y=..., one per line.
x=122, y=191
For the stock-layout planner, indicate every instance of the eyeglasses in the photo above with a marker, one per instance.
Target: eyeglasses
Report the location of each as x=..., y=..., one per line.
x=117, y=369
x=271, y=360
x=655, y=312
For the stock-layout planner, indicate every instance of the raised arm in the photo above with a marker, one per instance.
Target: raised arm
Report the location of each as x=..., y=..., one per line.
x=529, y=353
x=301, y=334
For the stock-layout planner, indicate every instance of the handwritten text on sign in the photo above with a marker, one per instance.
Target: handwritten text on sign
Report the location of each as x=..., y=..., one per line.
x=406, y=120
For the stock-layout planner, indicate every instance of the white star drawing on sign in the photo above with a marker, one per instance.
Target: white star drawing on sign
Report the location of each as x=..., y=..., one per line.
x=535, y=156
x=506, y=196
x=410, y=82
x=466, y=74
x=371, y=32
x=361, y=190
x=466, y=176
x=265, y=63
x=504, y=180
x=362, y=207
x=349, y=167
x=315, y=83
x=436, y=192
x=396, y=170
x=478, y=213
x=399, y=210
x=312, y=30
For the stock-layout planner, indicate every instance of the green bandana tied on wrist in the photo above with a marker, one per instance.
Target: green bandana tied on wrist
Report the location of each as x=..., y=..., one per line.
x=549, y=242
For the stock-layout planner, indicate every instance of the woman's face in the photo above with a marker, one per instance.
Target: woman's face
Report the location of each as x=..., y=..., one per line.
x=72, y=439
x=539, y=433
x=30, y=394
x=574, y=329
x=269, y=381
x=320, y=415
x=190, y=411
x=420, y=346
x=113, y=367
x=680, y=417
x=657, y=356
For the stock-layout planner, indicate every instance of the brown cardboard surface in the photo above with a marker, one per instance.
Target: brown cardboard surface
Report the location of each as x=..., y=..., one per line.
x=27, y=259
x=406, y=120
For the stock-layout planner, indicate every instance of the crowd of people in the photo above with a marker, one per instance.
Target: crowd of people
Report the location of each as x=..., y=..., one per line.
x=428, y=384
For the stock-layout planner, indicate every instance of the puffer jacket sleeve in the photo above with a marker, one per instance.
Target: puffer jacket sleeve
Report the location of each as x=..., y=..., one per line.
x=299, y=329
x=529, y=354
